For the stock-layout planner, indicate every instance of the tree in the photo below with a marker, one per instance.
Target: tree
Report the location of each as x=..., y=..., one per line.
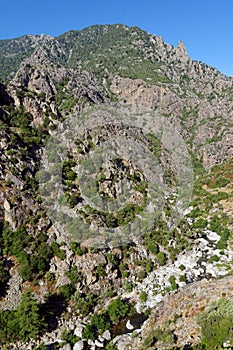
x=24, y=323
x=67, y=290
x=4, y=275
x=29, y=319
x=85, y=303
x=100, y=322
x=117, y=309
x=89, y=332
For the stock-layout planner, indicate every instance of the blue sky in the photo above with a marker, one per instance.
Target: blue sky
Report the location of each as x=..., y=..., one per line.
x=205, y=26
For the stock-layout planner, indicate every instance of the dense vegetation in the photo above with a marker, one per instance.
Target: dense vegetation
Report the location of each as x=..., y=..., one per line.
x=116, y=48
x=115, y=312
x=34, y=263
x=217, y=325
x=13, y=52
x=24, y=323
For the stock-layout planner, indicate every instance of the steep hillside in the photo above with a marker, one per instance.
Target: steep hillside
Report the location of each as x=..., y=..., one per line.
x=169, y=191
x=134, y=66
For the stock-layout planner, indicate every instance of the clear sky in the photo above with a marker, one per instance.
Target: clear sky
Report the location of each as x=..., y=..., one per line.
x=205, y=26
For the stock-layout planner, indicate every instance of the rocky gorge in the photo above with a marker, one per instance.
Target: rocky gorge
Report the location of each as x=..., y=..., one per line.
x=143, y=294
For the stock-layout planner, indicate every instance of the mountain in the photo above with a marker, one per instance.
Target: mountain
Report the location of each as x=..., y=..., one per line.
x=117, y=84
x=170, y=81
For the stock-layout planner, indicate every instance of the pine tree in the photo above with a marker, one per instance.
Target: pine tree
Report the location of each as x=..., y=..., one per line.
x=30, y=321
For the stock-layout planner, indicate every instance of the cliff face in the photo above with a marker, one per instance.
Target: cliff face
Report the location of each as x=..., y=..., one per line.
x=46, y=80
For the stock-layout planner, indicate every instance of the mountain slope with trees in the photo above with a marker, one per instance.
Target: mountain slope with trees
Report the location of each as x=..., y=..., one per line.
x=88, y=296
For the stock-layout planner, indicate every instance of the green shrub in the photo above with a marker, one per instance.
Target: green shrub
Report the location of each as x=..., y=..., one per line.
x=172, y=280
x=110, y=346
x=69, y=337
x=124, y=270
x=221, y=182
x=128, y=287
x=89, y=332
x=143, y=296
x=118, y=309
x=214, y=258
x=162, y=259
x=85, y=303
x=165, y=336
x=100, y=322
x=182, y=278
x=60, y=253
x=200, y=223
x=50, y=277
x=74, y=275
x=67, y=290
x=152, y=246
x=216, y=324
x=77, y=249
x=40, y=347
x=149, y=265
x=100, y=270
